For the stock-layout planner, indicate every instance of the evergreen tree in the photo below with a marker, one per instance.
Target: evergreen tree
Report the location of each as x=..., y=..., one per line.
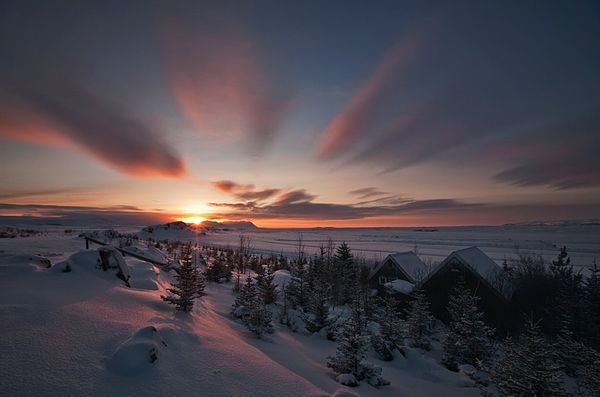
x=468, y=339
x=419, y=321
x=317, y=306
x=352, y=346
x=186, y=287
x=591, y=307
x=391, y=330
x=529, y=370
x=264, y=283
x=218, y=271
x=258, y=318
x=245, y=298
x=565, y=312
x=345, y=274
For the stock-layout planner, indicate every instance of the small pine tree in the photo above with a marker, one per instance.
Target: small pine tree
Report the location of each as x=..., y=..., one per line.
x=264, y=283
x=352, y=346
x=540, y=371
x=528, y=370
x=345, y=274
x=391, y=330
x=258, y=318
x=419, y=321
x=468, y=339
x=186, y=287
x=591, y=307
x=507, y=374
x=245, y=299
x=317, y=308
x=218, y=271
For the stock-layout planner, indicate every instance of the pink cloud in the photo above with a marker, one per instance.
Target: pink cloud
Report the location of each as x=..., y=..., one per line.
x=362, y=111
x=220, y=87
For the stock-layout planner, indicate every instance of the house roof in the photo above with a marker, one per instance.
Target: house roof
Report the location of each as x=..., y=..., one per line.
x=476, y=260
x=408, y=262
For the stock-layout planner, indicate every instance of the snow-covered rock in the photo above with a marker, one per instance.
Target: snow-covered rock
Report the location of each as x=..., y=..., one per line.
x=138, y=353
x=347, y=380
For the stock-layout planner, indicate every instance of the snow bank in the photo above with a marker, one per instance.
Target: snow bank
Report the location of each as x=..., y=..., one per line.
x=281, y=278
x=23, y=263
x=138, y=353
x=144, y=275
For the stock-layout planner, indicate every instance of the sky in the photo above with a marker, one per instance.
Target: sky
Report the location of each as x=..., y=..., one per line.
x=301, y=114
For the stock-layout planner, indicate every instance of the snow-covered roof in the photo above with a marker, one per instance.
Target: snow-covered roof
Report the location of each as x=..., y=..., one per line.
x=475, y=259
x=408, y=262
x=401, y=286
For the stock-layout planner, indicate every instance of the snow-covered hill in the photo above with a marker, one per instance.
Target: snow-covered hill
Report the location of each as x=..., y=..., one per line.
x=84, y=333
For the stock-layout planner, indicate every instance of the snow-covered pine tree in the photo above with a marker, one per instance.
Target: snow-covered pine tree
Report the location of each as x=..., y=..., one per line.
x=468, y=339
x=345, y=274
x=391, y=329
x=218, y=271
x=201, y=283
x=352, y=346
x=258, y=318
x=351, y=351
x=565, y=311
x=186, y=287
x=245, y=298
x=507, y=374
x=297, y=287
x=264, y=283
x=591, y=307
x=530, y=369
x=317, y=308
x=541, y=371
x=419, y=321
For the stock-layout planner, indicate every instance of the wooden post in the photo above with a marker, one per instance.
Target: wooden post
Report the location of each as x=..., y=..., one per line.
x=87, y=244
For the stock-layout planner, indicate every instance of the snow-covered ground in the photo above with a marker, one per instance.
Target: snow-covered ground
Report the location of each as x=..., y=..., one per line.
x=84, y=333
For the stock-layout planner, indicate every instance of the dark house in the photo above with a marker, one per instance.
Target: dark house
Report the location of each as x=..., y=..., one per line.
x=400, y=266
x=481, y=274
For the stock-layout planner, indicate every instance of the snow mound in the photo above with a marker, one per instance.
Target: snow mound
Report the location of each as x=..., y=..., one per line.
x=137, y=354
x=143, y=275
x=84, y=260
x=23, y=263
x=347, y=380
x=281, y=278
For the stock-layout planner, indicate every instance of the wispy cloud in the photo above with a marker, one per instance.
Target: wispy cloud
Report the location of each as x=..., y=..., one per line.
x=368, y=192
x=244, y=192
x=221, y=87
x=299, y=204
x=362, y=112
x=78, y=215
x=545, y=157
x=57, y=104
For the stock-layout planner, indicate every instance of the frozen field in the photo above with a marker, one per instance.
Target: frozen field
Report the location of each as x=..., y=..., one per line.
x=499, y=242
x=432, y=244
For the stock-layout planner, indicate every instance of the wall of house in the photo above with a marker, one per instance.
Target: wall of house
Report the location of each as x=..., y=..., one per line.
x=389, y=272
x=440, y=287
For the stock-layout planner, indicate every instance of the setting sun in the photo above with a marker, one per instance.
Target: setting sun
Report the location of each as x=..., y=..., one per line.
x=196, y=220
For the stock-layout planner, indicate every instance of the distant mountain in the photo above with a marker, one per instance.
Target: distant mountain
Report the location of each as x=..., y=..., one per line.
x=564, y=222
x=227, y=226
